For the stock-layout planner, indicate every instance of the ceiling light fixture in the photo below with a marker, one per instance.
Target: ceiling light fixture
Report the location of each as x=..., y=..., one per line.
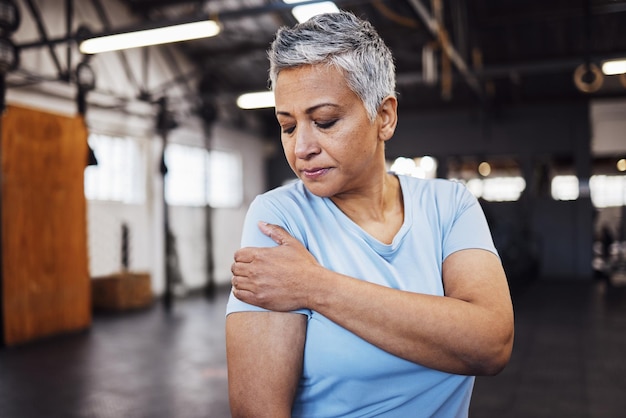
x=147, y=37
x=614, y=67
x=306, y=11
x=257, y=100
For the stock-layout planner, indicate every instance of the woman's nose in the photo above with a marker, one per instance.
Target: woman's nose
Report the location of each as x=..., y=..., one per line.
x=306, y=143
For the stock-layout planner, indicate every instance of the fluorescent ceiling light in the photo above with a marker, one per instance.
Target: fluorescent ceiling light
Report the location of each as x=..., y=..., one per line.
x=307, y=11
x=614, y=67
x=257, y=100
x=163, y=35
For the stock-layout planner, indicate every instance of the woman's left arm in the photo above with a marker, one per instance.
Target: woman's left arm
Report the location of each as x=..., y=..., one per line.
x=467, y=331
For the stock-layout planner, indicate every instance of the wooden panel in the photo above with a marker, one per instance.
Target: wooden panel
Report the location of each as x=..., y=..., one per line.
x=46, y=285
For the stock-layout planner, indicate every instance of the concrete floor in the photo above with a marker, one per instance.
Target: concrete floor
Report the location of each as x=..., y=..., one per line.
x=569, y=360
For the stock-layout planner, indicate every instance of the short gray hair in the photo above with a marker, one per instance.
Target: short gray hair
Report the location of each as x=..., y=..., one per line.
x=344, y=41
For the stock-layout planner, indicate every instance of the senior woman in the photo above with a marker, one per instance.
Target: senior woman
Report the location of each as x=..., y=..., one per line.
x=358, y=292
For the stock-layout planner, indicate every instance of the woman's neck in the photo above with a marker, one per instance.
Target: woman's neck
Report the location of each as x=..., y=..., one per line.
x=379, y=210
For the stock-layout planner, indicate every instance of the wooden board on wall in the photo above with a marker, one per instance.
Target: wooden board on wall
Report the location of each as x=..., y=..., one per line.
x=45, y=274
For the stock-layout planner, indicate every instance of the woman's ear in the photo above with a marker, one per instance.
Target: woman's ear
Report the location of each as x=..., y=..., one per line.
x=388, y=114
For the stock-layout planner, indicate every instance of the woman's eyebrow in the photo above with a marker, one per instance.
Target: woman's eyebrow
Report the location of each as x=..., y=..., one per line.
x=314, y=108
x=309, y=110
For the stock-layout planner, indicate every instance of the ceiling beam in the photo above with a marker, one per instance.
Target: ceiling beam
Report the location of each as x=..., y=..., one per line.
x=106, y=22
x=43, y=34
x=144, y=6
x=223, y=15
x=437, y=30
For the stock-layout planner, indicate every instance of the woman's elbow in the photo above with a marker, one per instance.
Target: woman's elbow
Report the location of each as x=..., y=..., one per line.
x=497, y=355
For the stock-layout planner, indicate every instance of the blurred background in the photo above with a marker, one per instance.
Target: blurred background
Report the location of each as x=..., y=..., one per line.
x=127, y=170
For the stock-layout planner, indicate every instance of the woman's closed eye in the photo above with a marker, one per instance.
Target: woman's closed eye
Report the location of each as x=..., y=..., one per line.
x=326, y=124
x=288, y=129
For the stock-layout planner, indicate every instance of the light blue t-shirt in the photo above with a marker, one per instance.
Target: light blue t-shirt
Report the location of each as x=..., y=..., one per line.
x=343, y=375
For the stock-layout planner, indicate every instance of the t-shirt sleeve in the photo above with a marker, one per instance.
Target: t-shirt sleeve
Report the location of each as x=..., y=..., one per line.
x=260, y=210
x=468, y=226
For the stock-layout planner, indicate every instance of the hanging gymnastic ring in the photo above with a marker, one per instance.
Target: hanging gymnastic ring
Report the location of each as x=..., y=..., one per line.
x=584, y=86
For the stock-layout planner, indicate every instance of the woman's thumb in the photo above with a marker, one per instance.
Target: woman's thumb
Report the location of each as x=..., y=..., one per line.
x=275, y=232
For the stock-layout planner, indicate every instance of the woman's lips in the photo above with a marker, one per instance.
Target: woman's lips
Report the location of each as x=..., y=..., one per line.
x=314, y=173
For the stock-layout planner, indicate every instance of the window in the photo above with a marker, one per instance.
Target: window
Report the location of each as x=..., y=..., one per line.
x=498, y=189
x=423, y=167
x=197, y=177
x=608, y=191
x=497, y=179
x=225, y=183
x=186, y=172
x=565, y=187
x=120, y=173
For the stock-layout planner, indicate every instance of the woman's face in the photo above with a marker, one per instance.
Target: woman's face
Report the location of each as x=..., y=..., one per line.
x=328, y=139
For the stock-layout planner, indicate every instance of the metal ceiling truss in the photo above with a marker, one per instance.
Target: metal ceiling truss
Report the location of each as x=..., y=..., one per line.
x=434, y=23
x=69, y=38
x=454, y=51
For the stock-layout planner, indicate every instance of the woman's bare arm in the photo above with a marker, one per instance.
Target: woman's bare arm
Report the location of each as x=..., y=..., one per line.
x=264, y=353
x=467, y=331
